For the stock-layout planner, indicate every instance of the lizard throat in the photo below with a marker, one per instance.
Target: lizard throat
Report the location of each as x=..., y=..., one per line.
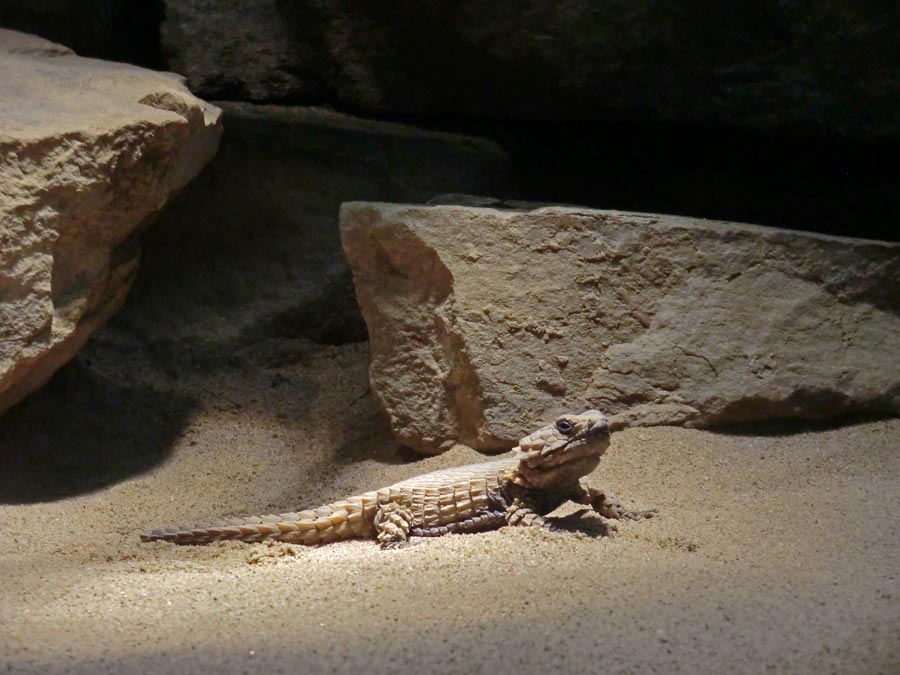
x=561, y=465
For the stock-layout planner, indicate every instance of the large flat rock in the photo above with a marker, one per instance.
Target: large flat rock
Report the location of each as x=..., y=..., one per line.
x=484, y=321
x=90, y=151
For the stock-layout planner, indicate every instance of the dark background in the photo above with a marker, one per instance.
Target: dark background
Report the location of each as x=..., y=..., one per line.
x=783, y=113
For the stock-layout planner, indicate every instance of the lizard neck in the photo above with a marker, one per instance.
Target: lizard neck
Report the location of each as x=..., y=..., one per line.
x=554, y=478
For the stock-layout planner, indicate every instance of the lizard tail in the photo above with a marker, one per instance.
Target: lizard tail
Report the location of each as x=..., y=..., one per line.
x=348, y=519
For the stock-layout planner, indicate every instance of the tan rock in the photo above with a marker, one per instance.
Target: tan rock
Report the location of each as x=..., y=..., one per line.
x=90, y=151
x=483, y=321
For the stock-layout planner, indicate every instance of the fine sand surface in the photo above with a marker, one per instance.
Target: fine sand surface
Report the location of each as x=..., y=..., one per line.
x=775, y=552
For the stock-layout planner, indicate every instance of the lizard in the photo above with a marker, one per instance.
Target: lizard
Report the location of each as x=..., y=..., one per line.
x=543, y=472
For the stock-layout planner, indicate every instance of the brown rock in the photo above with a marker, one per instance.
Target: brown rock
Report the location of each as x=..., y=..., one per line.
x=12, y=42
x=823, y=66
x=241, y=50
x=483, y=322
x=89, y=153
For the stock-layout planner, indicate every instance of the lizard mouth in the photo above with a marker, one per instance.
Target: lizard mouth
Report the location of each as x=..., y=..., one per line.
x=599, y=430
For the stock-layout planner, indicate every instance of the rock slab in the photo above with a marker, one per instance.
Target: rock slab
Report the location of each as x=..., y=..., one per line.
x=484, y=322
x=90, y=151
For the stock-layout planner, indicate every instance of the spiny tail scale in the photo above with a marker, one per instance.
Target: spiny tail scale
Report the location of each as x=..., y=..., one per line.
x=350, y=518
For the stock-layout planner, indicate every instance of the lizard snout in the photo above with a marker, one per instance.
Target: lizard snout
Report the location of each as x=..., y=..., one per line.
x=601, y=428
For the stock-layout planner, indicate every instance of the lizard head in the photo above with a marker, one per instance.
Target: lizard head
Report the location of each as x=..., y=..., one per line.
x=564, y=451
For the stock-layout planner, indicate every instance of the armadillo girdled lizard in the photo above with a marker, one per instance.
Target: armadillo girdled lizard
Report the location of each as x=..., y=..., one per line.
x=542, y=474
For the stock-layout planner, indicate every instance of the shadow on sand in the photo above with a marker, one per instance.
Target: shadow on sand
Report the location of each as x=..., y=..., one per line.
x=792, y=427
x=83, y=431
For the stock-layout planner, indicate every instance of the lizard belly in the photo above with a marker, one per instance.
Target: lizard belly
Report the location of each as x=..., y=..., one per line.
x=465, y=506
x=480, y=522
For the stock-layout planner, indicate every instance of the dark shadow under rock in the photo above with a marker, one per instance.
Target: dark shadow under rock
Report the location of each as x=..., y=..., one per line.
x=781, y=427
x=250, y=251
x=84, y=431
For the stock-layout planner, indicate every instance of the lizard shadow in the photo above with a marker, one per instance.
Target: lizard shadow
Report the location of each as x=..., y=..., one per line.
x=85, y=430
x=582, y=521
x=585, y=522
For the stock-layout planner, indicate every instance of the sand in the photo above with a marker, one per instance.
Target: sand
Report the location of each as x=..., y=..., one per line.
x=773, y=552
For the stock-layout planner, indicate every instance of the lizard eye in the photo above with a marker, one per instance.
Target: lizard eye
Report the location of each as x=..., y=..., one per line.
x=564, y=427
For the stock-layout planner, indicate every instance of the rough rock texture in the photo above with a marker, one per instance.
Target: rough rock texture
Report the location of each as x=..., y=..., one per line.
x=249, y=254
x=89, y=152
x=243, y=50
x=825, y=65
x=484, y=321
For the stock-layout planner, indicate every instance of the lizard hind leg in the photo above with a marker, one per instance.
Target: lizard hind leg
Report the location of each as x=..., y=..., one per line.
x=392, y=523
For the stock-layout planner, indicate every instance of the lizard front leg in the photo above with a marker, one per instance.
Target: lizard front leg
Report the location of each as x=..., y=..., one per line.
x=607, y=506
x=392, y=523
x=521, y=513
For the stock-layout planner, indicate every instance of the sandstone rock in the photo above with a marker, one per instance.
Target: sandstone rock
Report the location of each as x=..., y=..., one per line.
x=828, y=67
x=12, y=42
x=483, y=322
x=249, y=254
x=90, y=151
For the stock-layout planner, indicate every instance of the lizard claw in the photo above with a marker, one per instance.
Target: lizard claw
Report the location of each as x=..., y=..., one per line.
x=640, y=515
x=610, y=507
